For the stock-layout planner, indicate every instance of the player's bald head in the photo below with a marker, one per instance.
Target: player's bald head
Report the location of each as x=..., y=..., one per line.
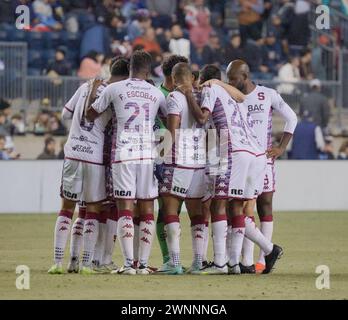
x=238, y=72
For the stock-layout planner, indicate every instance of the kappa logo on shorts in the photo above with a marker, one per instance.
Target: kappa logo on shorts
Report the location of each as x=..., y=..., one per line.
x=128, y=235
x=147, y=231
x=146, y=240
x=237, y=192
x=122, y=193
x=127, y=226
x=180, y=190
x=63, y=228
x=69, y=194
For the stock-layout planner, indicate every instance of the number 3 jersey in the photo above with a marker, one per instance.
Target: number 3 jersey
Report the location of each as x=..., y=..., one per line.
x=232, y=118
x=86, y=139
x=135, y=104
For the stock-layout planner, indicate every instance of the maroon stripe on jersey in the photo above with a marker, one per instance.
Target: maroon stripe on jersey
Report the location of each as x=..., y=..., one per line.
x=238, y=221
x=197, y=220
x=254, y=154
x=125, y=213
x=90, y=162
x=268, y=218
x=147, y=217
x=218, y=217
x=66, y=213
x=119, y=161
x=147, y=199
x=205, y=108
x=92, y=216
x=183, y=167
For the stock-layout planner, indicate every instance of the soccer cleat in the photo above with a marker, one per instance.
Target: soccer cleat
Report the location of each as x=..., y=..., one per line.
x=143, y=270
x=88, y=271
x=215, y=270
x=168, y=268
x=73, y=266
x=247, y=269
x=234, y=269
x=56, y=269
x=125, y=271
x=206, y=264
x=259, y=267
x=272, y=258
x=111, y=266
x=194, y=269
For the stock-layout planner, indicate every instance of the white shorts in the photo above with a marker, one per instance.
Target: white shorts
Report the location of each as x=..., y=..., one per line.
x=269, y=178
x=243, y=179
x=134, y=181
x=82, y=181
x=183, y=183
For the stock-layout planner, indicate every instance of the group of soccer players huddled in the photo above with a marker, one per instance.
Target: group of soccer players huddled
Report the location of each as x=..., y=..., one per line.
x=195, y=140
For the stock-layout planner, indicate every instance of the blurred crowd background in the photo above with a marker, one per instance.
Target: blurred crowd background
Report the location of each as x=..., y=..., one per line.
x=78, y=38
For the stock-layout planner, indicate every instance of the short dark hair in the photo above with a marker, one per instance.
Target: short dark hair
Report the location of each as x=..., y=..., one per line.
x=170, y=62
x=140, y=61
x=49, y=140
x=195, y=75
x=210, y=71
x=119, y=67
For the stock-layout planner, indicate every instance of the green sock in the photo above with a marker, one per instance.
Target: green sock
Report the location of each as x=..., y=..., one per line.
x=162, y=241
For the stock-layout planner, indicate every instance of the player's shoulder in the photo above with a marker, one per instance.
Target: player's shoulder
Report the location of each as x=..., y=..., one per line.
x=175, y=95
x=267, y=90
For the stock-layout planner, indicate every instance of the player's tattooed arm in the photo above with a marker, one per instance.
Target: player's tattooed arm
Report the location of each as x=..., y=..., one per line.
x=232, y=91
x=277, y=151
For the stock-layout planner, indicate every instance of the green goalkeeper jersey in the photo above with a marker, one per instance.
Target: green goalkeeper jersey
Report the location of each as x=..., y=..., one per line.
x=158, y=122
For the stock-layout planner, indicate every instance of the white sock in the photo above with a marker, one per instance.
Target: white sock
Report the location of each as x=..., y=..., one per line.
x=61, y=234
x=197, y=235
x=76, y=239
x=237, y=237
x=98, y=254
x=248, y=250
x=136, y=222
x=90, y=236
x=146, y=232
x=219, y=230
x=267, y=231
x=111, y=235
x=206, y=241
x=255, y=235
x=125, y=234
x=228, y=242
x=172, y=229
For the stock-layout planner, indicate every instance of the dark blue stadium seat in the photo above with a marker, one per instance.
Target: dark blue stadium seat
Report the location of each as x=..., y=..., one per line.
x=4, y=35
x=48, y=55
x=18, y=35
x=71, y=40
x=35, y=59
x=53, y=40
x=35, y=40
x=34, y=72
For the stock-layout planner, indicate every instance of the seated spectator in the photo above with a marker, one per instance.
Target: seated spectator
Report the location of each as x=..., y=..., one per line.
x=138, y=26
x=217, y=51
x=343, y=151
x=201, y=56
x=41, y=124
x=18, y=124
x=56, y=126
x=49, y=152
x=5, y=123
x=198, y=21
x=306, y=65
x=90, y=66
x=178, y=44
x=234, y=49
x=308, y=141
x=6, y=153
x=162, y=12
x=289, y=72
x=317, y=104
x=59, y=66
x=44, y=19
x=117, y=28
x=249, y=18
x=148, y=41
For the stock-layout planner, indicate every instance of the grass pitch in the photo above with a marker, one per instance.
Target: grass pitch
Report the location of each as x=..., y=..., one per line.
x=308, y=240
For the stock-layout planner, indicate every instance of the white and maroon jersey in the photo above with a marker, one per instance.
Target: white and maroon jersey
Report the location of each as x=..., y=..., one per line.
x=86, y=139
x=189, y=147
x=135, y=104
x=228, y=115
x=260, y=104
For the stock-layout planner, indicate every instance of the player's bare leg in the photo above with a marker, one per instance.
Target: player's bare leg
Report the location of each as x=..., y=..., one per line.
x=194, y=209
x=61, y=234
x=172, y=228
x=76, y=239
x=247, y=263
x=90, y=236
x=219, y=231
x=264, y=210
x=125, y=233
x=146, y=231
x=207, y=214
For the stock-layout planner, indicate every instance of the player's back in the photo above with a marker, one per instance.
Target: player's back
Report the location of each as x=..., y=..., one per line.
x=86, y=138
x=231, y=117
x=135, y=103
